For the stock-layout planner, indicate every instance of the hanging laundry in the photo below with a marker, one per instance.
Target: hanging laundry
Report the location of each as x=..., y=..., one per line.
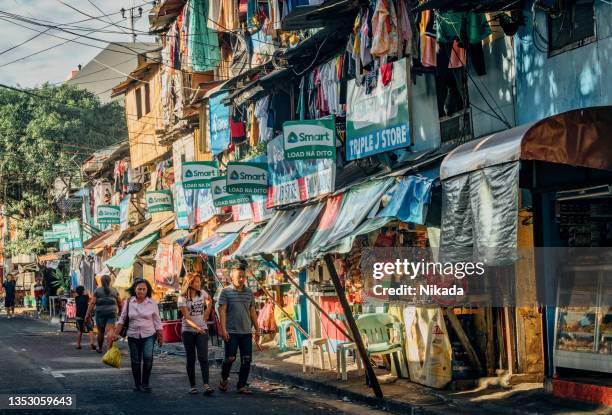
x=261, y=113
x=384, y=26
x=203, y=47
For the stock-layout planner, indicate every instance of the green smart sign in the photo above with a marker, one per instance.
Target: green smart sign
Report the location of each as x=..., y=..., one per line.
x=220, y=195
x=159, y=201
x=310, y=139
x=247, y=178
x=109, y=215
x=60, y=230
x=198, y=174
x=50, y=236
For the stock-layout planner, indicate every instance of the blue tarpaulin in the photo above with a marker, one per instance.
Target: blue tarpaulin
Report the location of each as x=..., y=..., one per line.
x=409, y=200
x=213, y=245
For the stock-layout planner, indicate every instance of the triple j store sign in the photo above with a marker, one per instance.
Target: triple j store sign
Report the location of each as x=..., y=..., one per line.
x=310, y=139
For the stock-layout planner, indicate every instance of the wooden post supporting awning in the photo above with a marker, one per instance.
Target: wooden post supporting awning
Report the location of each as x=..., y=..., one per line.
x=350, y=319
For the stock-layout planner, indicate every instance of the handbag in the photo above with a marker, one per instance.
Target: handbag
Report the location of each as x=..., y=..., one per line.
x=126, y=323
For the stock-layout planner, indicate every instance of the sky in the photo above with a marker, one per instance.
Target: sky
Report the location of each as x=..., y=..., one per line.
x=55, y=64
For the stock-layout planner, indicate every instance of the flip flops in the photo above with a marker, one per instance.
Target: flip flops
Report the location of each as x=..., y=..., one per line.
x=223, y=386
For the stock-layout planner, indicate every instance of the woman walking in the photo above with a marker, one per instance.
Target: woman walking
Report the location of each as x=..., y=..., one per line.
x=83, y=325
x=141, y=316
x=107, y=305
x=195, y=305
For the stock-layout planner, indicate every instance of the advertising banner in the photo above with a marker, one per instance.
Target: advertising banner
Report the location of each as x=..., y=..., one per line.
x=310, y=139
x=220, y=195
x=159, y=201
x=294, y=181
x=124, y=208
x=109, y=215
x=60, y=230
x=197, y=174
x=204, y=206
x=377, y=120
x=183, y=200
x=219, y=124
x=247, y=178
x=50, y=236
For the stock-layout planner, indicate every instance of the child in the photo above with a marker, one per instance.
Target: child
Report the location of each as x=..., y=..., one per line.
x=83, y=326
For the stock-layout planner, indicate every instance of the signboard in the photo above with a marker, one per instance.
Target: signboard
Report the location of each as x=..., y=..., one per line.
x=183, y=200
x=64, y=245
x=109, y=215
x=220, y=195
x=247, y=178
x=377, y=120
x=310, y=139
x=197, y=174
x=219, y=124
x=159, y=201
x=60, y=230
x=50, y=236
x=124, y=210
x=204, y=207
x=294, y=181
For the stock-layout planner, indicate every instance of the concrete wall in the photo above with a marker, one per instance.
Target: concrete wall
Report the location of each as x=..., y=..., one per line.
x=574, y=79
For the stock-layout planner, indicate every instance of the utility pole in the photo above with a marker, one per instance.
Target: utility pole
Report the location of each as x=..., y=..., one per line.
x=134, y=13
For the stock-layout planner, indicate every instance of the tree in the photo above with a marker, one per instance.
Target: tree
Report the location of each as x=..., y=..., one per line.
x=45, y=135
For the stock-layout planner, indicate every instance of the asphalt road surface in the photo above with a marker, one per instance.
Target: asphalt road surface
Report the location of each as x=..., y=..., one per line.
x=36, y=358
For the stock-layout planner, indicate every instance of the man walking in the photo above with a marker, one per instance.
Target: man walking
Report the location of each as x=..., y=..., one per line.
x=238, y=317
x=9, y=295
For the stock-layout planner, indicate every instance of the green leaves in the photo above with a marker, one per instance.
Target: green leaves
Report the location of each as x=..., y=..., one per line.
x=45, y=134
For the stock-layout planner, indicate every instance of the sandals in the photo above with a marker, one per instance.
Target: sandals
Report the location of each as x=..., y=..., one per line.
x=193, y=391
x=78, y=347
x=223, y=386
x=208, y=390
x=245, y=391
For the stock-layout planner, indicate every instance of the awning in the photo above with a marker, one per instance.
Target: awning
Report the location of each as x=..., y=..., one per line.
x=232, y=227
x=213, y=245
x=245, y=245
x=178, y=236
x=343, y=214
x=310, y=17
x=126, y=257
x=152, y=227
x=480, y=6
x=53, y=256
x=284, y=228
x=577, y=138
x=96, y=244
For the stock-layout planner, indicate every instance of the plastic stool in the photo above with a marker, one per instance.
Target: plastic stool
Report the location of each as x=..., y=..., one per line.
x=341, y=353
x=282, y=335
x=310, y=347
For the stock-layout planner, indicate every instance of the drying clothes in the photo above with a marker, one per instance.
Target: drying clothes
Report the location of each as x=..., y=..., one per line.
x=404, y=29
x=252, y=126
x=457, y=25
x=214, y=13
x=427, y=37
x=275, y=14
x=384, y=26
x=228, y=15
x=386, y=73
x=261, y=113
x=329, y=86
x=203, y=48
x=237, y=131
x=365, y=40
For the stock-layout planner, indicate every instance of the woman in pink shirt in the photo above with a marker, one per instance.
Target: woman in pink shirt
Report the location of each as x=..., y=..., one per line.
x=144, y=326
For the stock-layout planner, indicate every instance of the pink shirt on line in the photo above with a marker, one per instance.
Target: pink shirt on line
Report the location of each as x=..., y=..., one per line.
x=144, y=318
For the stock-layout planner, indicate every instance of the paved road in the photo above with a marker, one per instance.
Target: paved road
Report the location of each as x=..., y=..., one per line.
x=36, y=358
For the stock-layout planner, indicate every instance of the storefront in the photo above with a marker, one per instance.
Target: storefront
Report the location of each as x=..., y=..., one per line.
x=560, y=169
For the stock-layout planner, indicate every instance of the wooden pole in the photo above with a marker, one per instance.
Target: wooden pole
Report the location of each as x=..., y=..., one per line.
x=463, y=339
x=267, y=293
x=341, y=329
x=348, y=315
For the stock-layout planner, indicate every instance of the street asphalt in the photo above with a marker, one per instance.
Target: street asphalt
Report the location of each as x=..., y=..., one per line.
x=36, y=358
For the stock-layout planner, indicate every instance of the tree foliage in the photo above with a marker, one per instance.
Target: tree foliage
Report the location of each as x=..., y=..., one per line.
x=45, y=135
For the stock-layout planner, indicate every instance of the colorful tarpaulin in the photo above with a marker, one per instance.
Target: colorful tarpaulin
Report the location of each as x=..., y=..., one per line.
x=343, y=214
x=213, y=245
x=126, y=257
x=219, y=124
x=284, y=228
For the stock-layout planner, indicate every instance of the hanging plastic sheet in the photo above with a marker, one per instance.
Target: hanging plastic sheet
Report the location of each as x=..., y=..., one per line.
x=343, y=214
x=480, y=214
x=408, y=203
x=213, y=245
x=284, y=228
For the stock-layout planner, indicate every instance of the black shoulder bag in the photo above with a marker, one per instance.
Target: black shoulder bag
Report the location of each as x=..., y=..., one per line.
x=126, y=323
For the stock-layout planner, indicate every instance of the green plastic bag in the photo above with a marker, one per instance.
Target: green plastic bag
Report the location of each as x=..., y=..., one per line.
x=112, y=357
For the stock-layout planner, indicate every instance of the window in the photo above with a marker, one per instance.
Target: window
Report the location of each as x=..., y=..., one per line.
x=147, y=98
x=138, y=104
x=571, y=27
